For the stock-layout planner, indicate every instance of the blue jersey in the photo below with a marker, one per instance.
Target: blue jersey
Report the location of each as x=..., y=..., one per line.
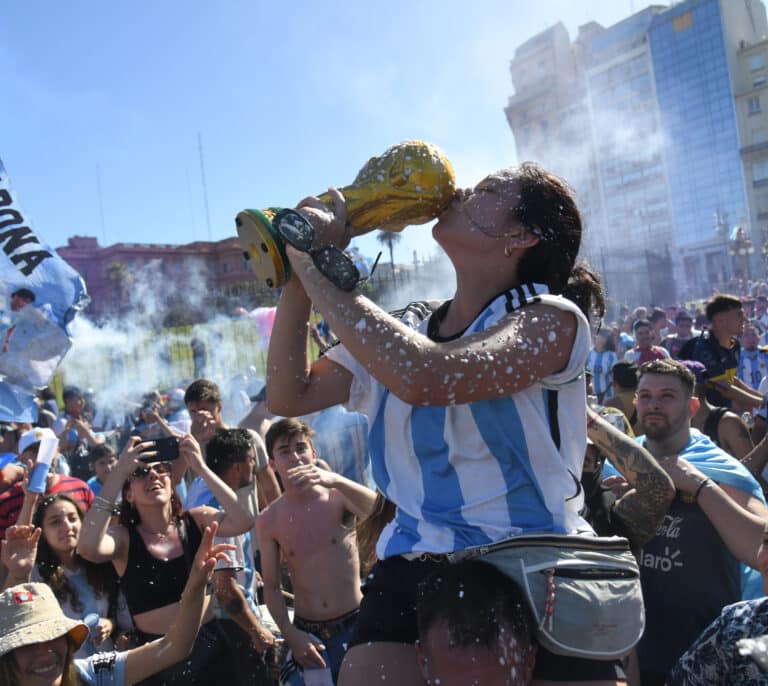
x=599, y=365
x=466, y=475
x=753, y=367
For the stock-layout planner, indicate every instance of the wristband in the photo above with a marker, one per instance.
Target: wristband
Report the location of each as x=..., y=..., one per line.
x=330, y=261
x=698, y=490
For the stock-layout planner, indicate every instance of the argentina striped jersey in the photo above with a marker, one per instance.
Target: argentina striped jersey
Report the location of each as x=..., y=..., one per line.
x=599, y=364
x=466, y=475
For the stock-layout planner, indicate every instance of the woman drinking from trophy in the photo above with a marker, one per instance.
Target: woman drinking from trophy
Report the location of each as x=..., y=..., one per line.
x=476, y=405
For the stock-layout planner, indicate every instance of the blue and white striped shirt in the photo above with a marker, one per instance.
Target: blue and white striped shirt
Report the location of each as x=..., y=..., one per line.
x=466, y=475
x=753, y=367
x=599, y=364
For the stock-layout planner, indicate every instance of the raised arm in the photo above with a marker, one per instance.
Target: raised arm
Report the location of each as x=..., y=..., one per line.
x=643, y=507
x=143, y=662
x=28, y=505
x=98, y=542
x=18, y=553
x=737, y=391
x=267, y=488
x=739, y=517
x=358, y=499
x=294, y=387
x=233, y=518
x=523, y=348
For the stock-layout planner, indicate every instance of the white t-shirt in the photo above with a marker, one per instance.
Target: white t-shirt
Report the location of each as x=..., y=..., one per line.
x=102, y=669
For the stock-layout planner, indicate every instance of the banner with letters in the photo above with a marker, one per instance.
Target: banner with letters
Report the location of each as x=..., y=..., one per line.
x=39, y=296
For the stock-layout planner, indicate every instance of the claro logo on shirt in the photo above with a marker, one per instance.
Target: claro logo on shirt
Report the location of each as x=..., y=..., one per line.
x=663, y=563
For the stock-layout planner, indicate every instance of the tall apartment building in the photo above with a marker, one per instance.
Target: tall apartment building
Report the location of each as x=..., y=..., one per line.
x=751, y=93
x=660, y=142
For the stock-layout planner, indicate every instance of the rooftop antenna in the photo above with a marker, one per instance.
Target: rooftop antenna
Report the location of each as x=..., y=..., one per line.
x=205, y=185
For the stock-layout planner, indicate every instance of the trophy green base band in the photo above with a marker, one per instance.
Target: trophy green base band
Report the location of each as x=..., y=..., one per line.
x=263, y=249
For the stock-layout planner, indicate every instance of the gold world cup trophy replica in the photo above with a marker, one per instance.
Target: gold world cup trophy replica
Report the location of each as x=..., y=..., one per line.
x=411, y=183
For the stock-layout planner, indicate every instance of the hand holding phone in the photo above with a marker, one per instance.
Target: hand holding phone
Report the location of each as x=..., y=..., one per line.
x=165, y=449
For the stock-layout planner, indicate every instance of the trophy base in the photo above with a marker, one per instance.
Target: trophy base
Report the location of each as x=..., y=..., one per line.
x=263, y=249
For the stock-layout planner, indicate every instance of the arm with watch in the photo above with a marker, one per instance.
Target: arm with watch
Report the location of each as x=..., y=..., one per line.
x=739, y=518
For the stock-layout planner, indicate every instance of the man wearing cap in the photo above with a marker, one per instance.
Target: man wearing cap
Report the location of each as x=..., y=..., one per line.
x=75, y=433
x=12, y=499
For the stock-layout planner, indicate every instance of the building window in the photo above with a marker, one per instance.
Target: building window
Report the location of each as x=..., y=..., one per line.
x=683, y=22
x=756, y=62
x=759, y=82
x=760, y=171
x=753, y=104
x=759, y=136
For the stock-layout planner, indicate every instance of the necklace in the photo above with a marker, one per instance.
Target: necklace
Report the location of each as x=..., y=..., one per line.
x=159, y=535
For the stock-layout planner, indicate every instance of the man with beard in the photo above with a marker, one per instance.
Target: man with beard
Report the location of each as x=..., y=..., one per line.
x=693, y=566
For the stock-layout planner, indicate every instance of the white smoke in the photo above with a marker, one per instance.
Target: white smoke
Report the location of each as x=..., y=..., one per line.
x=129, y=354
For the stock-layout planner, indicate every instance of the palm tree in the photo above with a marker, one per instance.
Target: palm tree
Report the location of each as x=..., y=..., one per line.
x=120, y=278
x=390, y=239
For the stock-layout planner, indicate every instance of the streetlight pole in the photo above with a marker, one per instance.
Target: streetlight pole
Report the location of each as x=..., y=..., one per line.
x=722, y=231
x=741, y=248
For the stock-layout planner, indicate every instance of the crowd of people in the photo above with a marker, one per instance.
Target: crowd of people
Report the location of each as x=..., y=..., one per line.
x=507, y=487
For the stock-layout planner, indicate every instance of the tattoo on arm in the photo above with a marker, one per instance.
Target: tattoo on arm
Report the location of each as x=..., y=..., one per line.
x=642, y=508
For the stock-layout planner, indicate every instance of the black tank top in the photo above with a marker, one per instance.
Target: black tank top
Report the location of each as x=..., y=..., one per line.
x=712, y=424
x=149, y=582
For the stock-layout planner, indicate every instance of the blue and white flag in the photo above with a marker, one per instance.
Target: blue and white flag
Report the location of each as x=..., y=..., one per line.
x=39, y=296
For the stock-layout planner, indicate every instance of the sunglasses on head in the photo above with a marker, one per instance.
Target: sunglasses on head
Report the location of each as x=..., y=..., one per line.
x=159, y=468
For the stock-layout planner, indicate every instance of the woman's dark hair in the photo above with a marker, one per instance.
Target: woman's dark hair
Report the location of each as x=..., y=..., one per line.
x=102, y=578
x=547, y=207
x=370, y=528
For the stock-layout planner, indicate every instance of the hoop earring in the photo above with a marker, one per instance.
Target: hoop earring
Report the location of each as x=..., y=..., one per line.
x=507, y=251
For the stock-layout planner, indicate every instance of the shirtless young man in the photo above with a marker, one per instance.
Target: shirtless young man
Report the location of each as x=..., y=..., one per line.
x=311, y=528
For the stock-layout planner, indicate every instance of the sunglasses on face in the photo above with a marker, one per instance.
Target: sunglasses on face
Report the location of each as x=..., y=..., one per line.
x=159, y=468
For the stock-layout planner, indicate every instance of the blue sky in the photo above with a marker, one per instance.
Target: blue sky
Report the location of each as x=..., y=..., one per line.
x=288, y=97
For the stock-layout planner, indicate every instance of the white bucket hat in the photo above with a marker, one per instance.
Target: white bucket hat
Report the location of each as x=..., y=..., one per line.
x=30, y=613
